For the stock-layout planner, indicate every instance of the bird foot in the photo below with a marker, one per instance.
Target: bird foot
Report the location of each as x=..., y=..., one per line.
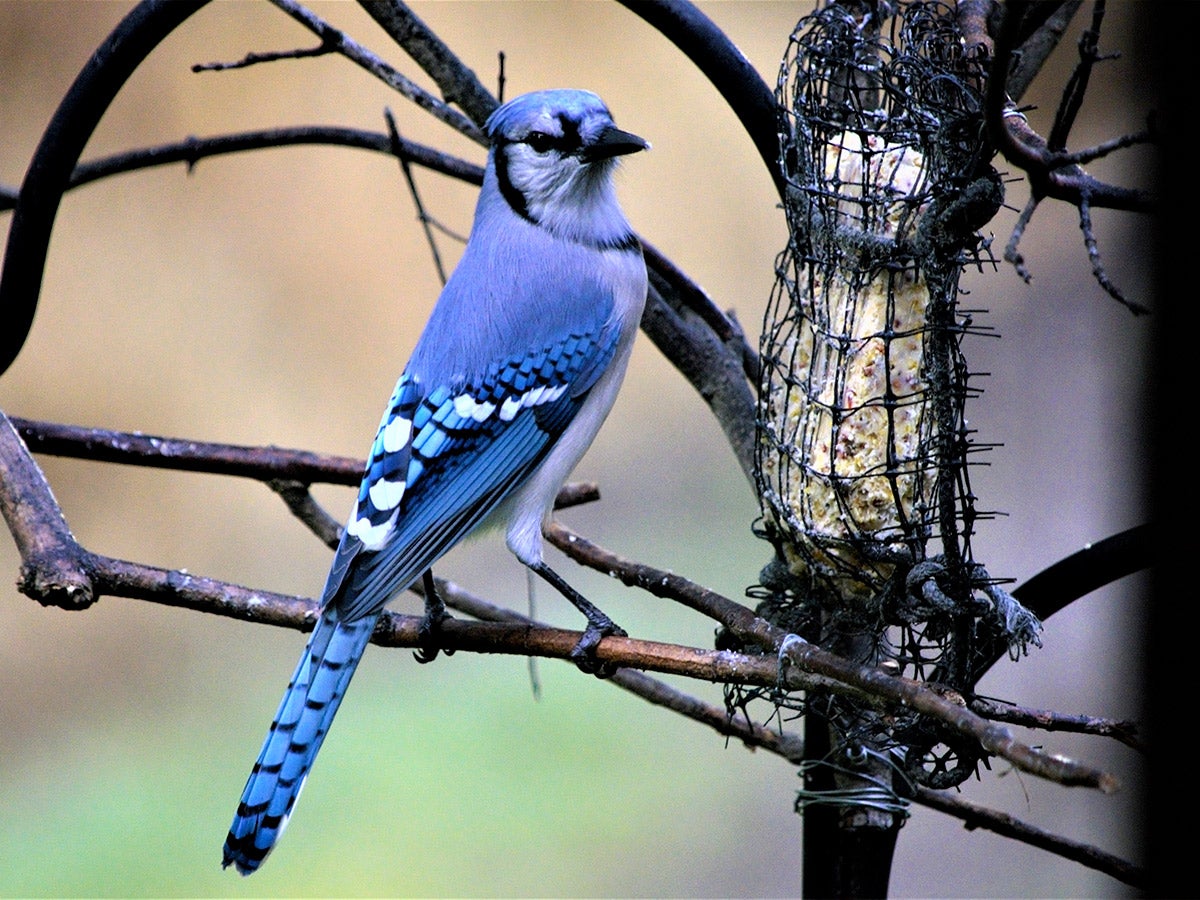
x=430, y=633
x=430, y=629
x=583, y=654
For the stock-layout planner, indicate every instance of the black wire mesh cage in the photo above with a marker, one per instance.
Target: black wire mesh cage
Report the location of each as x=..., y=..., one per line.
x=862, y=445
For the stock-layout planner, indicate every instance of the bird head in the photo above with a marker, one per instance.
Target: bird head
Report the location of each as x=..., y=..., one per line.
x=553, y=153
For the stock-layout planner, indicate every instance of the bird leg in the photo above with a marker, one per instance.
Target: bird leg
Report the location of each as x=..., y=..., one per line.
x=431, y=622
x=599, y=626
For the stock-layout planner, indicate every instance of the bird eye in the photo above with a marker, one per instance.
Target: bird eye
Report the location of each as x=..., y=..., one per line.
x=540, y=141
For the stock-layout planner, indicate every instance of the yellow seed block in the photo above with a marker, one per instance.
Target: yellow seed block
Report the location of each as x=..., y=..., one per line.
x=854, y=409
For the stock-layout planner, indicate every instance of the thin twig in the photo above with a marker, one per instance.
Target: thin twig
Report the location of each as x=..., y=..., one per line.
x=882, y=688
x=193, y=149
x=279, y=464
x=458, y=84
x=1048, y=720
x=138, y=449
x=975, y=816
x=1050, y=174
x=1012, y=255
x=355, y=52
x=1099, y=272
x=1076, y=87
x=738, y=725
x=303, y=506
x=253, y=59
x=422, y=216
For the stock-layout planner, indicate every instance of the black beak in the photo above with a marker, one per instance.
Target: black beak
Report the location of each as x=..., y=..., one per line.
x=613, y=142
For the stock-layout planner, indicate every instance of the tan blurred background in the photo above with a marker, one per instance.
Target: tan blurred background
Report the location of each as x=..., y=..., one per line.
x=272, y=297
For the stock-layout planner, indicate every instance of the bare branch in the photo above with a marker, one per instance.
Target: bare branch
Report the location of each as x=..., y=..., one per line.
x=711, y=51
x=1042, y=29
x=137, y=449
x=57, y=153
x=791, y=748
x=876, y=686
x=305, y=508
x=1052, y=171
x=1093, y=253
x=57, y=570
x=422, y=216
x=695, y=298
x=39, y=529
x=726, y=722
x=1048, y=720
x=267, y=464
x=975, y=816
x=188, y=591
x=252, y=59
x=355, y=52
x=739, y=619
x=193, y=149
x=1051, y=174
x=1012, y=255
x=458, y=84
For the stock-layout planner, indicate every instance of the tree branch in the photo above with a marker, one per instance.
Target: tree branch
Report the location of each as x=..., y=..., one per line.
x=726, y=722
x=881, y=689
x=39, y=529
x=137, y=449
x=288, y=472
x=57, y=570
x=1048, y=720
x=975, y=816
x=253, y=59
x=193, y=149
x=406, y=87
x=1051, y=174
x=458, y=84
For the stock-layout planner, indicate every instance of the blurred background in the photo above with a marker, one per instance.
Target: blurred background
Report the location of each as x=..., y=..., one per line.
x=272, y=298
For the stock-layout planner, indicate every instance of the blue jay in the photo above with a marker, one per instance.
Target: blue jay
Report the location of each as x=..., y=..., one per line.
x=511, y=379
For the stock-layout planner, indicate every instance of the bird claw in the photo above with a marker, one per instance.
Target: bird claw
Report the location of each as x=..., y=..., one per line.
x=429, y=634
x=583, y=654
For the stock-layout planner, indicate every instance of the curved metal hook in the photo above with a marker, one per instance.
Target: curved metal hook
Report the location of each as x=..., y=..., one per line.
x=58, y=152
x=711, y=51
x=1074, y=576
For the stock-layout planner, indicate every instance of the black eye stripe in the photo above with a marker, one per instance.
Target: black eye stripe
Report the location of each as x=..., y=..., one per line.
x=567, y=142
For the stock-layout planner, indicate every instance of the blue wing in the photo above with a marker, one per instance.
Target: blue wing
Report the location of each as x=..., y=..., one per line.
x=446, y=455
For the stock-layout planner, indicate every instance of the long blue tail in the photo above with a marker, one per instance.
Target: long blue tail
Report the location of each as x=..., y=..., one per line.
x=304, y=717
